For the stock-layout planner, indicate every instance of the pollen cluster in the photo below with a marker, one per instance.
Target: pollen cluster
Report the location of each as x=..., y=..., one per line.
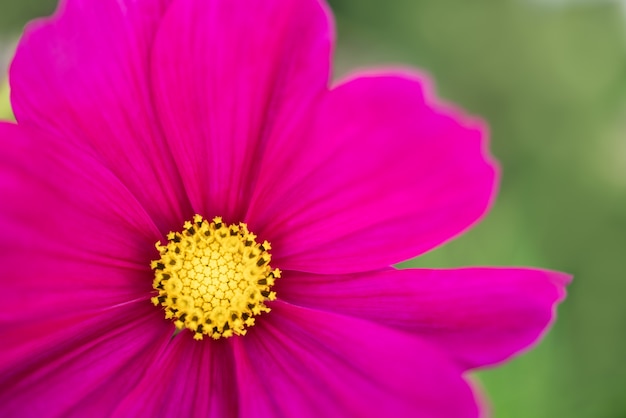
x=213, y=278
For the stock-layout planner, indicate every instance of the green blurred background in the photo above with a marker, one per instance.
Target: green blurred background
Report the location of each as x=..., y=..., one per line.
x=550, y=78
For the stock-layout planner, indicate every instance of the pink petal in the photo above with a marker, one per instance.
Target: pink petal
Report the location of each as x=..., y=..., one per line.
x=83, y=75
x=75, y=240
x=298, y=362
x=228, y=75
x=189, y=379
x=86, y=368
x=385, y=174
x=481, y=316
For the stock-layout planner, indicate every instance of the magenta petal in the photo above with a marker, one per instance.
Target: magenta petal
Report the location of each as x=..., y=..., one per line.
x=75, y=239
x=83, y=75
x=189, y=379
x=86, y=369
x=227, y=75
x=298, y=362
x=481, y=316
x=385, y=174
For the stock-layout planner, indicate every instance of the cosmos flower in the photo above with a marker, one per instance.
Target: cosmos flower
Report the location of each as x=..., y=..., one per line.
x=197, y=224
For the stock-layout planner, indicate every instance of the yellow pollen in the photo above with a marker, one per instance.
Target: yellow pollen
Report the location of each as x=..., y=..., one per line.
x=213, y=278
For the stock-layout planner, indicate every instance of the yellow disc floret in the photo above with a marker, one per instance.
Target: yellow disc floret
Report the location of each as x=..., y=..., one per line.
x=213, y=278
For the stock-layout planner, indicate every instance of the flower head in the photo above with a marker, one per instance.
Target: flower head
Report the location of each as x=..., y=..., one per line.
x=278, y=205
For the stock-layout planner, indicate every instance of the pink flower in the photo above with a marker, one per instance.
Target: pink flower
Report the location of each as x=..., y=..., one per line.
x=136, y=116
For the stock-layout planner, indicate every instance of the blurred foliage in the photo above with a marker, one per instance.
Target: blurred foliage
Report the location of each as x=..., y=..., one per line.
x=551, y=82
x=5, y=105
x=13, y=14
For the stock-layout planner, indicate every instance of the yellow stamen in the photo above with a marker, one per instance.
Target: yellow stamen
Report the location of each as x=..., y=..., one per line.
x=213, y=278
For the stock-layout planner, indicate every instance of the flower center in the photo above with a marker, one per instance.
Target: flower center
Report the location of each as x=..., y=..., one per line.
x=213, y=278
